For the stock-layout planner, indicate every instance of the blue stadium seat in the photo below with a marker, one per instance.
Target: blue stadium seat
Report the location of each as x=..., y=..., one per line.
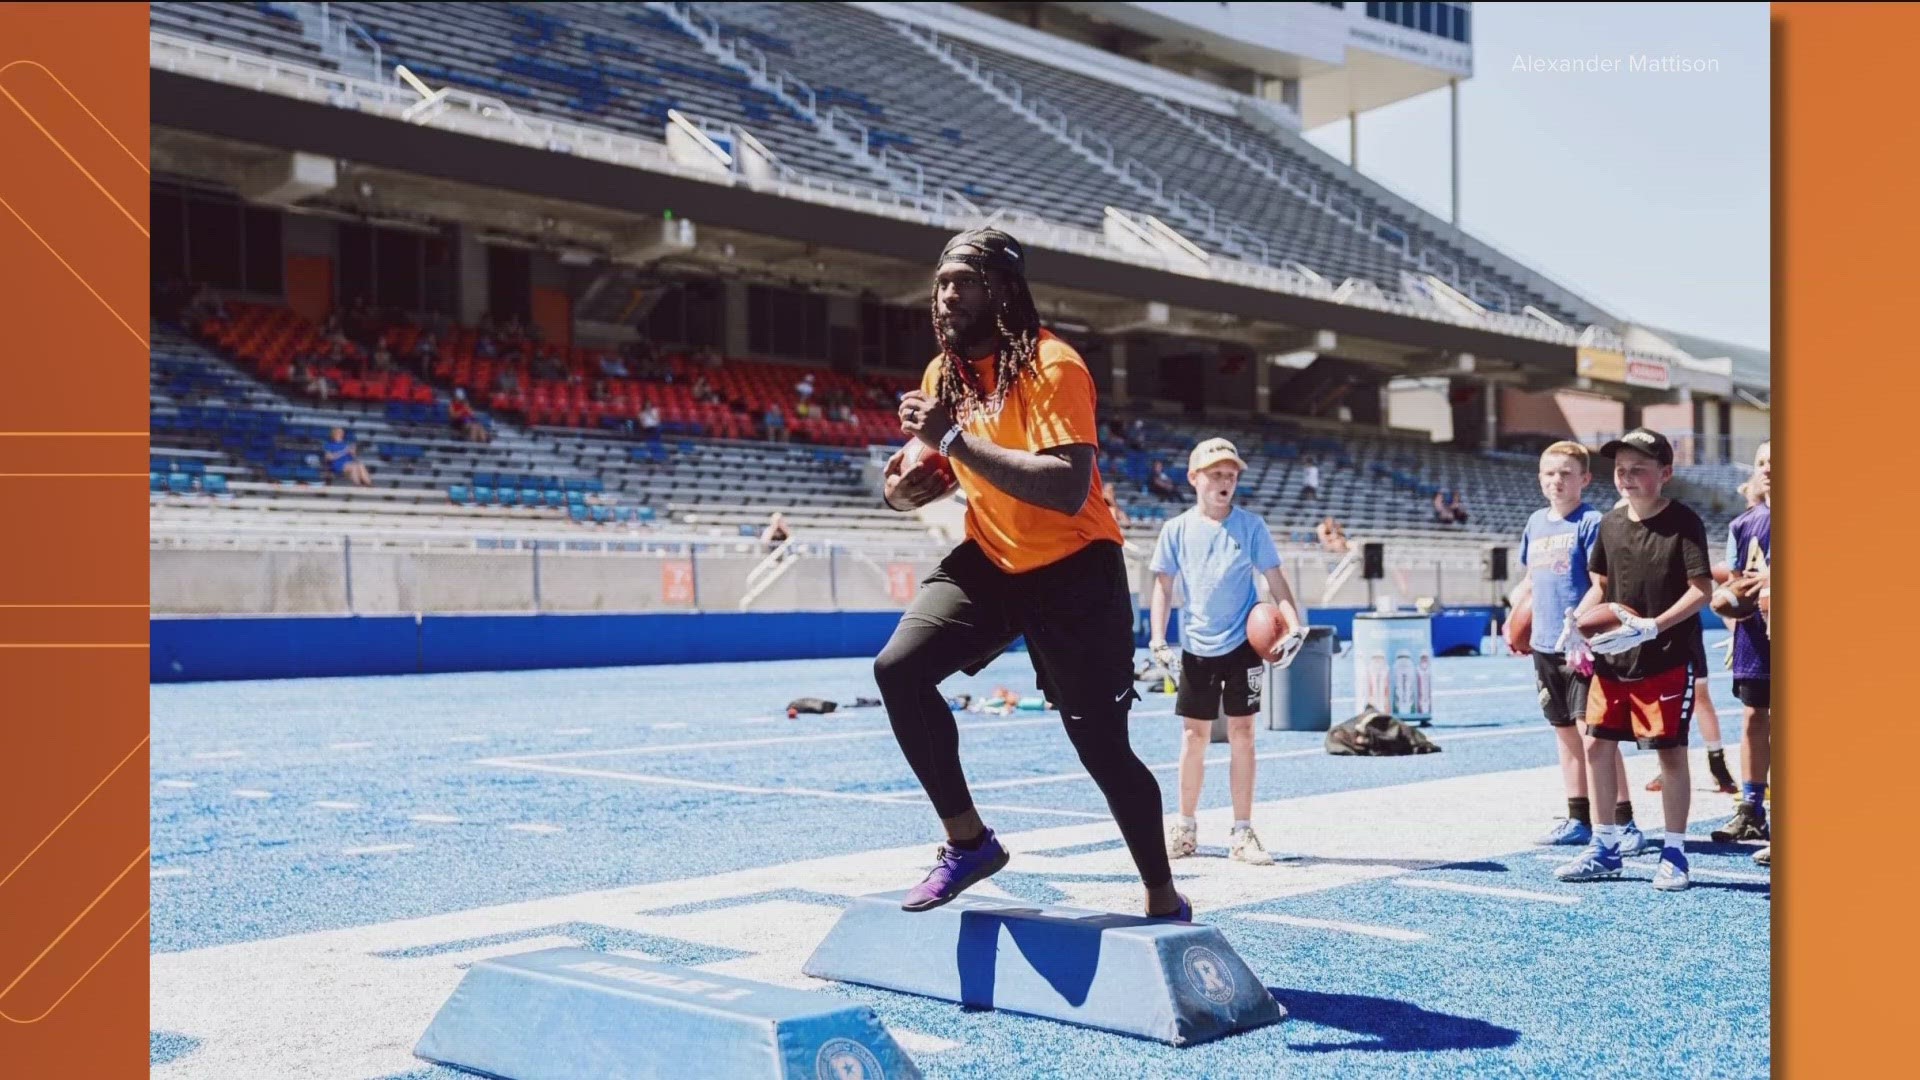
x=645, y=513
x=460, y=494
x=180, y=483
x=156, y=481
x=509, y=496
x=533, y=497
x=483, y=495
x=555, y=500
x=602, y=514
x=486, y=480
x=579, y=512
x=213, y=484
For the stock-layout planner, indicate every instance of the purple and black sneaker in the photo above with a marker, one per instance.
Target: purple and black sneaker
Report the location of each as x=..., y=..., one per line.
x=956, y=871
x=1183, y=913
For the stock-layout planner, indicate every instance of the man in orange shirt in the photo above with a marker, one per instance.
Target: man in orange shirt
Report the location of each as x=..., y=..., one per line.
x=1012, y=407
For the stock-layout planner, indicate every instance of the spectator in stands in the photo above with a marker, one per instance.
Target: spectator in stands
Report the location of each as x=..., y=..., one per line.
x=803, y=390
x=308, y=378
x=343, y=459
x=382, y=357
x=1310, y=480
x=649, y=417
x=1119, y=512
x=709, y=358
x=1457, y=506
x=776, y=532
x=1332, y=536
x=1159, y=484
x=485, y=347
x=425, y=351
x=466, y=423
x=775, y=423
x=1137, y=434
x=612, y=366
x=1442, y=513
x=703, y=392
x=507, y=381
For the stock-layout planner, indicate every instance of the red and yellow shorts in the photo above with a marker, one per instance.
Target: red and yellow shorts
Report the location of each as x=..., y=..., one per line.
x=1656, y=712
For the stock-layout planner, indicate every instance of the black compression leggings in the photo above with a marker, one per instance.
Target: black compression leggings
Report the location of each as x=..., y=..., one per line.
x=946, y=629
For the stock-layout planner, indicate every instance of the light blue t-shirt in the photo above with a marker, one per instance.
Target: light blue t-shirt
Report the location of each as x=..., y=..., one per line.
x=1213, y=563
x=1555, y=552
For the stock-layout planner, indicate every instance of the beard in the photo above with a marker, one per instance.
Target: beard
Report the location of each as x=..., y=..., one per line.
x=967, y=338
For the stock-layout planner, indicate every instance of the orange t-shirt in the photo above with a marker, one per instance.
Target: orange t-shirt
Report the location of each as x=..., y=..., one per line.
x=1051, y=406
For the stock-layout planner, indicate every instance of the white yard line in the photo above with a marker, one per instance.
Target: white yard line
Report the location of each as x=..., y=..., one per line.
x=178, y=784
x=376, y=849
x=1486, y=890
x=539, y=828
x=1388, y=932
x=332, y=804
x=733, y=744
x=434, y=819
x=251, y=793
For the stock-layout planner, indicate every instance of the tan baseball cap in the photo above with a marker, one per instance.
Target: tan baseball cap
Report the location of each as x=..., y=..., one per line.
x=1213, y=452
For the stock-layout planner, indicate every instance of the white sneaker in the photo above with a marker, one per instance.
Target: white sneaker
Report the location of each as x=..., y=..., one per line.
x=1248, y=849
x=1182, y=840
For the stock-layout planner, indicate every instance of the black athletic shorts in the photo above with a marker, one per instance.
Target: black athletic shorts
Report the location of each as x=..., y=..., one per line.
x=1563, y=691
x=1701, y=669
x=1206, y=680
x=1754, y=693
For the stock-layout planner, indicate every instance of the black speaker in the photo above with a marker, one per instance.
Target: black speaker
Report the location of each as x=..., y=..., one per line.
x=1373, y=560
x=1497, y=564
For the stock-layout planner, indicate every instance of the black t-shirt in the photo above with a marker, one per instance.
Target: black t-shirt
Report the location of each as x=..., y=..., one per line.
x=1647, y=565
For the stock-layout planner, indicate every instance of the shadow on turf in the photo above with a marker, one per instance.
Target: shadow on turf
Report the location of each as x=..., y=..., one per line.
x=1386, y=1024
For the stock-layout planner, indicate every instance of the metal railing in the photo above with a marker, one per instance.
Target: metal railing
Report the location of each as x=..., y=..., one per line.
x=486, y=117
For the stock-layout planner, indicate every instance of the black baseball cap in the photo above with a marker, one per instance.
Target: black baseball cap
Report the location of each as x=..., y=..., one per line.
x=1646, y=441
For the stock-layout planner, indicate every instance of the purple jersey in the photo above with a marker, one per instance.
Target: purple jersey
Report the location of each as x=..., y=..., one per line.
x=1750, y=550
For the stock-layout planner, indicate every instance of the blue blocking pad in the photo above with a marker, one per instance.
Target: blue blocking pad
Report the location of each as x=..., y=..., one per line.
x=1177, y=983
x=576, y=1014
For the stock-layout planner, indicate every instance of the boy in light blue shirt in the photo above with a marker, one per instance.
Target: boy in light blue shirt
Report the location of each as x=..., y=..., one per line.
x=1214, y=551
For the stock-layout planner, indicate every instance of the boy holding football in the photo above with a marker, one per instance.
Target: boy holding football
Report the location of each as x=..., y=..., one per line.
x=1651, y=573
x=1749, y=561
x=1215, y=550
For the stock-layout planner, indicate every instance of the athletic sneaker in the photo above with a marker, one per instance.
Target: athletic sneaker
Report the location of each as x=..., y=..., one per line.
x=1764, y=856
x=1634, y=842
x=1182, y=840
x=1594, y=864
x=1749, y=823
x=1671, y=874
x=955, y=871
x=1722, y=779
x=1567, y=832
x=1246, y=848
x=1183, y=913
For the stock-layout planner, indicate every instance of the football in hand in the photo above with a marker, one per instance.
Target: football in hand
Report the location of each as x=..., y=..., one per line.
x=1738, y=599
x=1266, y=629
x=916, y=475
x=1601, y=619
x=1520, y=630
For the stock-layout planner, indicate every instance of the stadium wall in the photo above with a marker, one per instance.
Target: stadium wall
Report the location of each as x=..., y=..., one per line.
x=282, y=647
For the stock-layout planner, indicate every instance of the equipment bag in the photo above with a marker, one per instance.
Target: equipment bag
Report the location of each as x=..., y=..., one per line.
x=1376, y=734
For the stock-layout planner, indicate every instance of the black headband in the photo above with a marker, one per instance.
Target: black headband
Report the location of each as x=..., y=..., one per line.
x=986, y=249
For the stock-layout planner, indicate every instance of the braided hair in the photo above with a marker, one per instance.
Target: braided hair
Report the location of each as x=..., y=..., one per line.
x=1002, y=262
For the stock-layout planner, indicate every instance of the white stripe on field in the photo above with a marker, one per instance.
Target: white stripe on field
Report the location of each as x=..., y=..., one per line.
x=898, y=798
x=1169, y=766
x=434, y=819
x=376, y=849
x=331, y=804
x=1388, y=932
x=776, y=740
x=538, y=827
x=1486, y=890
x=468, y=739
x=1733, y=875
x=181, y=784
x=575, y=731
x=351, y=746
x=251, y=793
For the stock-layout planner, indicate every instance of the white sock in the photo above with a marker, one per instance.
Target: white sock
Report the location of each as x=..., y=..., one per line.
x=1713, y=745
x=1608, y=835
x=1677, y=843
x=1191, y=823
x=1239, y=825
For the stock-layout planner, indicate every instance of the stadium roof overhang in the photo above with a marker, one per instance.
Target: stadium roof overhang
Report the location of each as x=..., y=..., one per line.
x=461, y=177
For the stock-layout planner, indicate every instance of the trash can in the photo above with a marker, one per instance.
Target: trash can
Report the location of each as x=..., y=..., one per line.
x=1393, y=664
x=1298, y=697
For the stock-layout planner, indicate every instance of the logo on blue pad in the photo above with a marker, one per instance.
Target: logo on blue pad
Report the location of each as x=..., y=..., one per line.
x=844, y=1059
x=1208, y=974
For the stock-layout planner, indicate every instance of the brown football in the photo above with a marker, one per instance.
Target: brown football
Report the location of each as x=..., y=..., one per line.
x=1520, y=630
x=1600, y=620
x=1738, y=599
x=916, y=460
x=1265, y=630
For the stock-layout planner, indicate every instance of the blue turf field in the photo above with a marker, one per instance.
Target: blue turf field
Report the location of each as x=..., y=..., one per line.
x=329, y=854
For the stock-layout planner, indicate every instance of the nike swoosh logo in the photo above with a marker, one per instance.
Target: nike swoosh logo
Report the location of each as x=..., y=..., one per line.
x=1123, y=695
x=1675, y=697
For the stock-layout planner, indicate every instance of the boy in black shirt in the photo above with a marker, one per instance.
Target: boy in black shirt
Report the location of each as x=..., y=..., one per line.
x=1651, y=564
